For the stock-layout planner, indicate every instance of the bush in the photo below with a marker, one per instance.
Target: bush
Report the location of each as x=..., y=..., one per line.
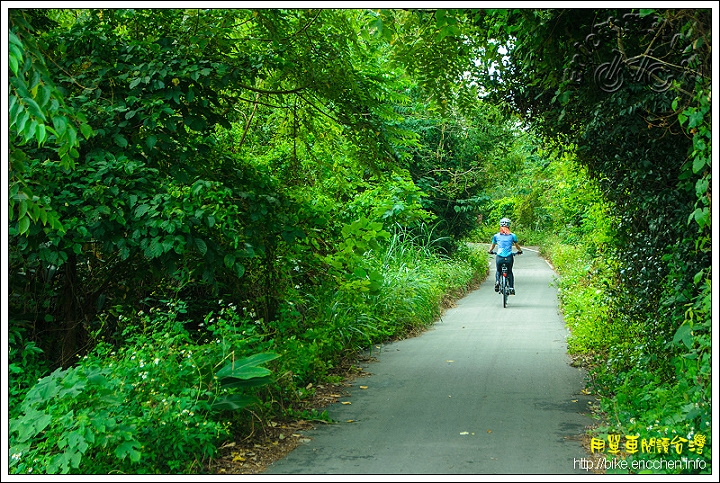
x=155, y=405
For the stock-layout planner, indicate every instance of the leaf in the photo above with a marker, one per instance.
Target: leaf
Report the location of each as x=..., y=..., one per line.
x=40, y=134
x=155, y=249
x=13, y=62
x=141, y=210
x=22, y=208
x=43, y=96
x=32, y=423
x=86, y=130
x=247, y=367
x=22, y=119
x=128, y=449
x=197, y=187
x=695, y=118
x=239, y=270
x=684, y=334
x=60, y=125
x=120, y=140
x=202, y=247
x=699, y=163
x=34, y=108
x=23, y=224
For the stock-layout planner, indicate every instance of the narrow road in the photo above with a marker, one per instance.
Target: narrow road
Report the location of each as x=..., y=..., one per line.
x=486, y=390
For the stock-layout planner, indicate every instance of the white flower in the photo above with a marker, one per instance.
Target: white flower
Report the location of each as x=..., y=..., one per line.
x=16, y=456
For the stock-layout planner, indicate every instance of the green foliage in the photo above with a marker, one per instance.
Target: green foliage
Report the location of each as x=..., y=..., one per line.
x=26, y=364
x=331, y=322
x=38, y=116
x=158, y=404
x=461, y=156
x=310, y=415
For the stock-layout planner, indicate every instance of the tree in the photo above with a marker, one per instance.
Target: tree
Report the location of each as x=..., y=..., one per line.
x=155, y=203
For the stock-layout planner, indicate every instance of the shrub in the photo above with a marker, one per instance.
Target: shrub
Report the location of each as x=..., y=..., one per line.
x=158, y=404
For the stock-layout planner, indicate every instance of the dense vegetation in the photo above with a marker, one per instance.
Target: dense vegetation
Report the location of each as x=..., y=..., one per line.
x=211, y=209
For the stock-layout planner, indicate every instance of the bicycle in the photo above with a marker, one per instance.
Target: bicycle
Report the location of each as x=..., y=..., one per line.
x=504, y=288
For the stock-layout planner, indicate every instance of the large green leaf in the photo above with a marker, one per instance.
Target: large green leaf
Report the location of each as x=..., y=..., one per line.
x=249, y=367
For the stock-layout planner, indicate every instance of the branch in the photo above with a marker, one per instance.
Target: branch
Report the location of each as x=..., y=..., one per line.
x=321, y=111
x=256, y=101
x=272, y=92
x=249, y=121
x=678, y=67
x=307, y=25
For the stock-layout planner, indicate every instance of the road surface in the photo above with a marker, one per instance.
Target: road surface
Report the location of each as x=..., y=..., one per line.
x=487, y=390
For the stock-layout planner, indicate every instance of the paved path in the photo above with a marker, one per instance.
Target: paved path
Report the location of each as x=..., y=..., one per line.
x=486, y=390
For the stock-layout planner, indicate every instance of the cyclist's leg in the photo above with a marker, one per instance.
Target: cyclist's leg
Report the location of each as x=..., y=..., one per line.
x=498, y=270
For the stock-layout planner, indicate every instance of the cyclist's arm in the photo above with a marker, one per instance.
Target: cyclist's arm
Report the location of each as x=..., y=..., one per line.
x=517, y=245
x=492, y=248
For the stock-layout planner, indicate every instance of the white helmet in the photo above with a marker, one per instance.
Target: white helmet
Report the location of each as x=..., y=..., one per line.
x=505, y=222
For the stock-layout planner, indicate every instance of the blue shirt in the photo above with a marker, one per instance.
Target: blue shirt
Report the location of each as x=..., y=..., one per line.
x=504, y=243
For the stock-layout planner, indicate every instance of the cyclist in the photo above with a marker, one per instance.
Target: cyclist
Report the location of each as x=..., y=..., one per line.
x=505, y=239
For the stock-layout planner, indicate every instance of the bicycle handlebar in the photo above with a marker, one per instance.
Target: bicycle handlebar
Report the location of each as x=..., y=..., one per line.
x=514, y=253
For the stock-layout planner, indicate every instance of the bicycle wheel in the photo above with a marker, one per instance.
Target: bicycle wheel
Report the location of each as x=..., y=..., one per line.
x=504, y=290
